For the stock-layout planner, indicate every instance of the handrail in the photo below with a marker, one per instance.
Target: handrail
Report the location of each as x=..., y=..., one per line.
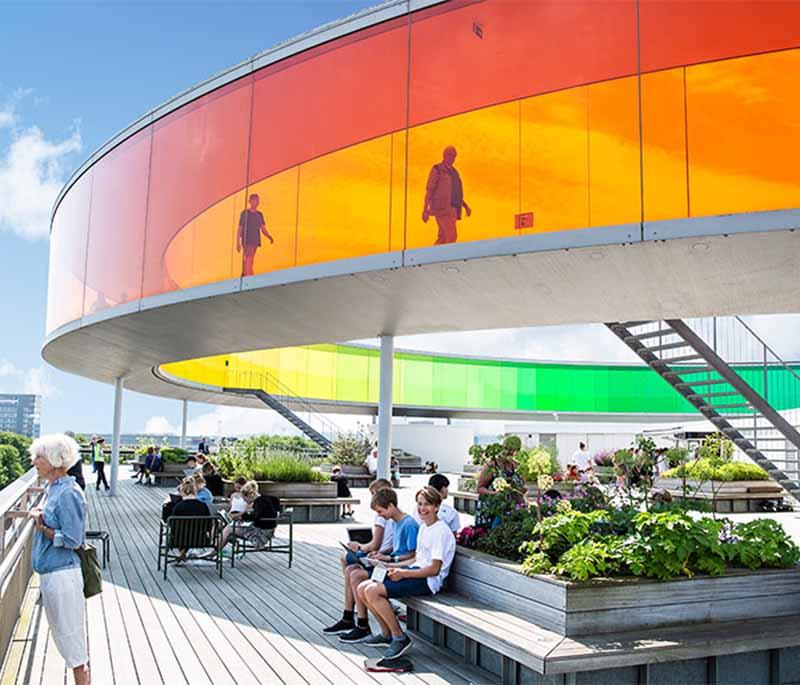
x=9, y=561
x=10, y=494
x=767, y=347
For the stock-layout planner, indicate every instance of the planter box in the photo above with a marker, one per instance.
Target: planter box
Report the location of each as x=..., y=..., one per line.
x=564, y=486
x=471, y=469
x=291, y=490
x=617, y=605
x=735, y=496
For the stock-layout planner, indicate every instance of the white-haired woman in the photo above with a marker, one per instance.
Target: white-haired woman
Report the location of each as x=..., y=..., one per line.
x=59, y=532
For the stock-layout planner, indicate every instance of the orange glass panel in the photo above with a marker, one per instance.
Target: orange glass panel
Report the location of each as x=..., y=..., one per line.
x=555, y=160
x=664, y=152
x=397, y=223
x=744, y=134
x=678, y=32
x=487, y=146
x=329, y=97
x=278, y=204
x=199, y=158
x=614, y=190
x=116, y=226
x=470, y=55
x=344, y=203
x=68, y=254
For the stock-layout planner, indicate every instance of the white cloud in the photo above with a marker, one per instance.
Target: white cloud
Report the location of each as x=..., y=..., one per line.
x=33, y=168
x=33, y=381
x=159, y=425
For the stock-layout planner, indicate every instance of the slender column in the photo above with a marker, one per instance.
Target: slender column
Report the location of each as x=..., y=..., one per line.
x=385, y=406
x=184, y=418
x=115, y=436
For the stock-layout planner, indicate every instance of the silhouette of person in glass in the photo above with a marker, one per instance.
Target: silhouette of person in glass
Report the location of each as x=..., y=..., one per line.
x=444, y=197
x=251, y=226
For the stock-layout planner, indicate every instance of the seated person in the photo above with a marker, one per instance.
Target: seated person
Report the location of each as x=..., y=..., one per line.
x=431, y=467
x=200, y=461
x=372, y=462
x=450, y=516
x=190, y=466
x=238, y=503
x=189, y=505
x=156, y=465
x=342, y=489
x=213, y=480
x=381, y=542
x=203, y=493
x=145, y=466
x=394, y=469
x=423, y=575
x=256, y=526
x=404, y=544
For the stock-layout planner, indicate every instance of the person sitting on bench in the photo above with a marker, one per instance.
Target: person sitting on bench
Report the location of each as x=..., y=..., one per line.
x=404, y=545
x=148, y=460
x=446, y=513
x=424, y=575
x=381, y=542
x=256, y=526
x=156, y=465
x=189, y=505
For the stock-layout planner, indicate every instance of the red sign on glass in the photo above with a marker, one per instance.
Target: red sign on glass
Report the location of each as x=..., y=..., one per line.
x=524, y=220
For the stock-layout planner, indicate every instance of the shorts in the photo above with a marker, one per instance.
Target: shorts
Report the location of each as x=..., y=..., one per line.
x=65, y=609
x=257, y=537
x=352, y=557
x=408, y=587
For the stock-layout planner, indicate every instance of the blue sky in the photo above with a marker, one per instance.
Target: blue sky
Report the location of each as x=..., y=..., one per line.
x=71, y=76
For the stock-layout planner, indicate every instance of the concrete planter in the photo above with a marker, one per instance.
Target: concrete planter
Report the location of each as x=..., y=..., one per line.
x=624, y=604
x=291, y=490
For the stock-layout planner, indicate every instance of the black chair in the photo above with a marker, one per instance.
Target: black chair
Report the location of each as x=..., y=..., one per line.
x=105, y=538
x=242, y=546
x=183, y=533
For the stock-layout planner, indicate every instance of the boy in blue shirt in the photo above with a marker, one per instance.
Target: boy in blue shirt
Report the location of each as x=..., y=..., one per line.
x=404, y=546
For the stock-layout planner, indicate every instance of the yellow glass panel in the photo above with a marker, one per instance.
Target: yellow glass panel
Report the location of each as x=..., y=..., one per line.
x=278, y=204
x=398, y=215
x=344, y=203
x=744, y=134
x=322, y=371
x=664, y=152
x=555, y=160
x=614, y=153
x=487, y=145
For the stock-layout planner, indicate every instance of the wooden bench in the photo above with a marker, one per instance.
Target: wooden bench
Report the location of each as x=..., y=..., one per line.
x=169, y=471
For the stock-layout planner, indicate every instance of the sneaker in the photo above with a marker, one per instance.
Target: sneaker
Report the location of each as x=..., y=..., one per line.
x=341, y=626
x=355, y=635
x=377, y=640
x=397, y=648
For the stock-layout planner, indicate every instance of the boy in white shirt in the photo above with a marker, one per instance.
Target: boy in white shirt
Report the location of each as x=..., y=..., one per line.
x=447, y=514
x=423, y=575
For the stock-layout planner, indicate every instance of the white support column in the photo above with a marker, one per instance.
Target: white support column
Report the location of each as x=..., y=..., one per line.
x=385, y=406
x=184, y=419
x=115, y=435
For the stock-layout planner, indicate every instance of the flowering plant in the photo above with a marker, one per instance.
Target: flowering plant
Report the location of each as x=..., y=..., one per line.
x=469, y=536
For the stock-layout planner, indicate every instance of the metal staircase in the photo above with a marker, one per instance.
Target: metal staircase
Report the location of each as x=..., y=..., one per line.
x=256, y=385
x=729, y=375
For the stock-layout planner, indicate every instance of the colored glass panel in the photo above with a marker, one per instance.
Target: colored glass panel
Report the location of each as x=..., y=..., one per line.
x=664, y=161
x=68, y=254
x=689, y=31
x=117, y=225
x=744, y=134
x=199, y=158
x=329, y=97
x=467, y=55
x=344, y=203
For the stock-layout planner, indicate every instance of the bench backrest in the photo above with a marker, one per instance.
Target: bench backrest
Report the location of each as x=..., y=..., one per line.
x=194, y=532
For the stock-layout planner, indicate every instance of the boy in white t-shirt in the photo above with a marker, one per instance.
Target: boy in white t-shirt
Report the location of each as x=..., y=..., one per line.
x=423, y=575
x=447, y=514
x=381, y=542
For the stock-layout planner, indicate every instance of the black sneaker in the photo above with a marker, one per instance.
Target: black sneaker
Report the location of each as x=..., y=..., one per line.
x=341, y=626
x=355, y=635
x=377, y=640
x=397, y=648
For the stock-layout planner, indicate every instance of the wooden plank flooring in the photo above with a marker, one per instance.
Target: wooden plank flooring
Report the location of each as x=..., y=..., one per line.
x=260, y=624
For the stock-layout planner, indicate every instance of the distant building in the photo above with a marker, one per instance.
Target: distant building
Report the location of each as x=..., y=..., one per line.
x=21, y=414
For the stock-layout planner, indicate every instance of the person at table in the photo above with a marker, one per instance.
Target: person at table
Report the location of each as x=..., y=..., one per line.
x=421, y=576
x=257, y=525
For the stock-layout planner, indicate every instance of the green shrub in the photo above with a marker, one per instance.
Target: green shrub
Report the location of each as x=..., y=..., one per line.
x=284, y=467
x=512, y=444
x=349, y=448
x=477, y=455
x=10, y=465
x=21, y=443
x=169, y=455
x=469, y=485
x=762, y=543
x=590, y=558
x=705, y=469
x=506, y=540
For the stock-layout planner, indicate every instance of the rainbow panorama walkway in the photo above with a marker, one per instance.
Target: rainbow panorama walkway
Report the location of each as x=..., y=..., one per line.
x=260, y=624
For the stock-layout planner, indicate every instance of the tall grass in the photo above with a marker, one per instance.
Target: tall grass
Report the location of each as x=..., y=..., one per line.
x=275, y=465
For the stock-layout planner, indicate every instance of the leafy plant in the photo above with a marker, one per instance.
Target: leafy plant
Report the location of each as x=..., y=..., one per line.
x=675, y=456
x=761, y=543
x=707, y=469
x=10, y=465
x=469, y=536
x=588, y=559
x=716, y=446
x=284, y=467
x=349, y=448
x=469, y=485
x=604, y=458
x=477, y=454
x=506, y=539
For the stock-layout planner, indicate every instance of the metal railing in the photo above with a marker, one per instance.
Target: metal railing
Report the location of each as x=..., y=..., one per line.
x=16, y=543
x=260, y=380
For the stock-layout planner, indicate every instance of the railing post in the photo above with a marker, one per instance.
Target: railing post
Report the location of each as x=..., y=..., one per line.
x=764, y=347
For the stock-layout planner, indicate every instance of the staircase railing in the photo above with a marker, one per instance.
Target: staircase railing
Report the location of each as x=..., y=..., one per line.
x=267, y=382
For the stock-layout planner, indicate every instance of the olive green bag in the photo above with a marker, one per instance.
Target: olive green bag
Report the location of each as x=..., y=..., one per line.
x=90, y=568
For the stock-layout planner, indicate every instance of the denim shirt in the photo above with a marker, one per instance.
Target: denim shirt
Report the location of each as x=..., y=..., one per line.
x=64, y=512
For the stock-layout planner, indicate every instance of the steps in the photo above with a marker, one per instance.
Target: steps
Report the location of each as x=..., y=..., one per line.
x=686, y=357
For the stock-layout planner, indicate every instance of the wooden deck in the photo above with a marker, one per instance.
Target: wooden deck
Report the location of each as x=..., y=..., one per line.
x=260, y=624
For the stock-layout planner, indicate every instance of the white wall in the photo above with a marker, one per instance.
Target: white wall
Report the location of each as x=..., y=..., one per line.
x=448, y=446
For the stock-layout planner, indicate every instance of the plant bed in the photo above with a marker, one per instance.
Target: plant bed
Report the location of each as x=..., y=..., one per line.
x=290, y=490
x=620, y=604
x=605, y=474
